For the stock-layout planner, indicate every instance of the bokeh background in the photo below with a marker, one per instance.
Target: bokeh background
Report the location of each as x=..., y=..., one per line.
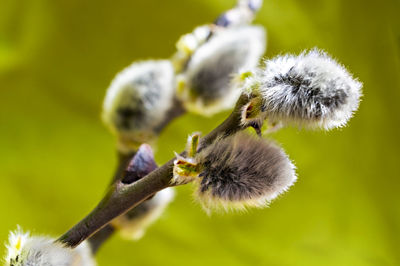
x=58, y=57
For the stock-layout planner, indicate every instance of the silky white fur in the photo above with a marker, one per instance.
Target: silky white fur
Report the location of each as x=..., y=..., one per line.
x=242, y=171
x=310, y=90
x=146, y=90
x=207, y=79
x=26, y=250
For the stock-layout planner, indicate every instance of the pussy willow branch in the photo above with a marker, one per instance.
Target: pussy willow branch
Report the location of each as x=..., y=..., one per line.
x=122, y=197
x=174, y=112
x=106, y=232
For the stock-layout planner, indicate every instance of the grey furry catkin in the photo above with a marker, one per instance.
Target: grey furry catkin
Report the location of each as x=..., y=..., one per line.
x=310, y=90
x=138, y=99
x=207, y=79
x=241, y=171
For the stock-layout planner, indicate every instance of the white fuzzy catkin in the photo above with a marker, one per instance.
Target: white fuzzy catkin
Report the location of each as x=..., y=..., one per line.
x=205, y=87
x=26, y=250
x=133, y=225
x=138, y=99
x=242, y=171
x=310, y=90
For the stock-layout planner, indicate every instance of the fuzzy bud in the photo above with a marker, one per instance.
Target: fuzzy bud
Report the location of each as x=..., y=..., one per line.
x=137, y=101
x=310, y=90
x=205, y=86
x=239, y=171
x=26, y=250
x=242, y=171
x=134, y=223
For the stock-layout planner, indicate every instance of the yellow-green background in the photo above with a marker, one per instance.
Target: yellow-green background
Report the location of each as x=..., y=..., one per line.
x=58, y=57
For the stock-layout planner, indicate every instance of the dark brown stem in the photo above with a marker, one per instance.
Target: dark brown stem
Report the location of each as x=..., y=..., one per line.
x=132, y=167
x=97, y=239
x=102, y=235
x=123, y=161
x=123, y=197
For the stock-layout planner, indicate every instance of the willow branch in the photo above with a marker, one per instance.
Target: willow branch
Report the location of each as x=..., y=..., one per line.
x=249, y=8
x=106, y=232
x=122, y=197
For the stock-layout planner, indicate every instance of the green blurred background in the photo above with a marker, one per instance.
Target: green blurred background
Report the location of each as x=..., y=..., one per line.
x=58, y=57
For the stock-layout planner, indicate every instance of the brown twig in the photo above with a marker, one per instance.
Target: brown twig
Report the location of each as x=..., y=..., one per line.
x=124, y=159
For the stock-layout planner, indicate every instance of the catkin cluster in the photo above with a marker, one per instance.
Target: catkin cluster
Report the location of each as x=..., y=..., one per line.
x=212, y=67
